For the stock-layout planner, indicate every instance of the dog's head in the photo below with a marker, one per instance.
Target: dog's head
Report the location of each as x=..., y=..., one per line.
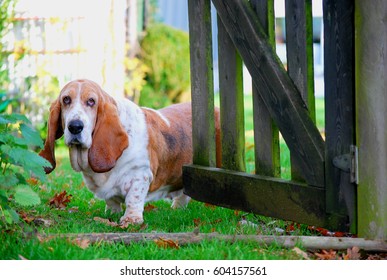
x=88, y=118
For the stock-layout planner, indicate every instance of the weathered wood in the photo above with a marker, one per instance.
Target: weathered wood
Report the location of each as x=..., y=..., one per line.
x=307, y=242
x=371, y=112
x=202, y=88
x=299, y=51
x=266, y=133
x=339, y=104
x=267, y=196
x=279, y=94
x=231, y=103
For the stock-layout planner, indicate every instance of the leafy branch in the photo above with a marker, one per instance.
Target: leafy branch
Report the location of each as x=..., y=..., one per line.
x=18, y=162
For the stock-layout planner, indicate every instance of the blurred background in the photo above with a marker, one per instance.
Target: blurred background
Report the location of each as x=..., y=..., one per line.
x=135, y=48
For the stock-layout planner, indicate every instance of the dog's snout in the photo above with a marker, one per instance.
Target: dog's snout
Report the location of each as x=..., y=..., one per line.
x=76, y=126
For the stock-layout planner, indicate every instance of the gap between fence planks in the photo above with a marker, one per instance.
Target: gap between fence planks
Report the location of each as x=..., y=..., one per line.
x=308, y=242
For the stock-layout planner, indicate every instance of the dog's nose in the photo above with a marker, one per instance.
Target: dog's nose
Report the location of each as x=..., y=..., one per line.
x=76, y=127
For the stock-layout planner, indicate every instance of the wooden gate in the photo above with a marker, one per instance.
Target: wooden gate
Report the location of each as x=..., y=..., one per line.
x=322, y=190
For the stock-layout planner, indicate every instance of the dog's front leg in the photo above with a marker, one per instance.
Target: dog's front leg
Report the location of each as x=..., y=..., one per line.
x=136, y=191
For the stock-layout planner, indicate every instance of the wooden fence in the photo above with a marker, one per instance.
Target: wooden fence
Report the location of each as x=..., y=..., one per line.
x=322, y=190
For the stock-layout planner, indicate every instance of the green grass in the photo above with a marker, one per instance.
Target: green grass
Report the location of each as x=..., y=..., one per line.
x=78, y=217
x=284, y=150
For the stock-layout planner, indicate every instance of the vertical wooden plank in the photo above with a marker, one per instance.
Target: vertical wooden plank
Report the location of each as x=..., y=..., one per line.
x=299, y=51
x=280, y=95
x=371, y=114
x=339, y=104
x=266, y=133
x=203, y=128
x=231, y=102
x=299, y=47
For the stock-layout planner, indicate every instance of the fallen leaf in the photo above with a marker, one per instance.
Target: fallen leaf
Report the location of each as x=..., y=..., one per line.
x=382, y=256
x=149, y=207
x=61, y=200
x=327, y=255
x=43, y=239
x=301, y=253
x=290, y=228
x=166, y=243
x=352, y=254
x=82, y=243
x=106, y=222
x=325, y=232
x=25, y=217
x=217, y=221
x=197, y=222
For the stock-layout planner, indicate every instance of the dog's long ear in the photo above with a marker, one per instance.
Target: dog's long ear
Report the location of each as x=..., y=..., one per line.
x=109, y=137
x=55, y=131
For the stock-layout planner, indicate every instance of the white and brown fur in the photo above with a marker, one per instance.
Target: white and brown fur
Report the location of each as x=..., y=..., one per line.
x=126, y=154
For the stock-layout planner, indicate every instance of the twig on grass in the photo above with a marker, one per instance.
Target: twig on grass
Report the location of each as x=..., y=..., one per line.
x=308, y=242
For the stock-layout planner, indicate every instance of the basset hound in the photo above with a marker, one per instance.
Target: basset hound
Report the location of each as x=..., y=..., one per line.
x=127, y=154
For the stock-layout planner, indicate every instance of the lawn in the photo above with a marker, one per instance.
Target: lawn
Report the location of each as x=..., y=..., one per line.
x=80, y=212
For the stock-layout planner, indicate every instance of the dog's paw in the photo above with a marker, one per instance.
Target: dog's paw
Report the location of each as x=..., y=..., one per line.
x=127, y=221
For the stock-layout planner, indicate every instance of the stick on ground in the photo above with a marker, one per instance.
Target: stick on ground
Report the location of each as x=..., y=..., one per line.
x=308, y=242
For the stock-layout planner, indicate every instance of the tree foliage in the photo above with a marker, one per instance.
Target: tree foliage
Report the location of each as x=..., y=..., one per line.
x=165, y=52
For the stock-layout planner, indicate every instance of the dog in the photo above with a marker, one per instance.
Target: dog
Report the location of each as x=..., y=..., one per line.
x=126, y=153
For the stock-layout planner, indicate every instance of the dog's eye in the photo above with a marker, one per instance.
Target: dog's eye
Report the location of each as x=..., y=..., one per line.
x=90, y=102
x=67, y=100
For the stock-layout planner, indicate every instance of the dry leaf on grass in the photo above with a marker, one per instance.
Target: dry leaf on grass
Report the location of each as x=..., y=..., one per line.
x=61, y=200
x=166, y=243
x=352, y=254
x=149, y=207
x=197, y=222
x=106, y=222
x=35, y=220
x=44, y=239
x=25, y=217
x=82, y=243
x=301, y=253
x=327, y=255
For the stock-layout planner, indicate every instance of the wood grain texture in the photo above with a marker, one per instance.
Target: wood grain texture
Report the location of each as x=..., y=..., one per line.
x=371, y=117
x=279, y=94
x=266, y=133
x=299, y=51
x=339, y=104
x=202, y=84
x=267, y=196
x=231, y=103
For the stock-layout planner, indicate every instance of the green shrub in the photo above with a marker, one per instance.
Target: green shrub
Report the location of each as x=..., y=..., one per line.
x=17, y=164
x=165, y=52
